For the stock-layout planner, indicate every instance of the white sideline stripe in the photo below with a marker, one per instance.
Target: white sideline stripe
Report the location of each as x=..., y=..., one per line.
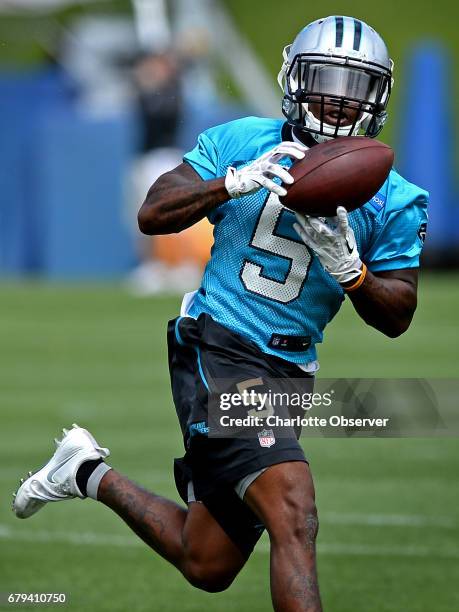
x=332, y=518
x=365, y=550
x=68, y=537
x=120, y=541
x=388, y=520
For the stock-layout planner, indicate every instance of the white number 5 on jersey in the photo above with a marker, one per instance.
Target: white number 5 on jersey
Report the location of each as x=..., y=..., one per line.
x=254, y=276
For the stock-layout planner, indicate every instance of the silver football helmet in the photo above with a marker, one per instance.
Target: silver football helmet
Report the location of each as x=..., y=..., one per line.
x=337, y=69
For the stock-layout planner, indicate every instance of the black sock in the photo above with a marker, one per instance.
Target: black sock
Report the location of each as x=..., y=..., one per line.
x=84, y=472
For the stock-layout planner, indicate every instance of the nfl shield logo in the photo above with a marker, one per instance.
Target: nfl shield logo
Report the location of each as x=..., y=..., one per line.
x=266, y=438
x=422, y=231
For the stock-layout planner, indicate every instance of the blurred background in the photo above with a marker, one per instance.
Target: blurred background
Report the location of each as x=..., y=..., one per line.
x=97, y=99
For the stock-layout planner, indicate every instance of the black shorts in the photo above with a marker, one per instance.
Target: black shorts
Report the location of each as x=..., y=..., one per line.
x=202, y=352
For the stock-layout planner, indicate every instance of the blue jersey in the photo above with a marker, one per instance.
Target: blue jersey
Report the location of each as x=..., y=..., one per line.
x=261, y=281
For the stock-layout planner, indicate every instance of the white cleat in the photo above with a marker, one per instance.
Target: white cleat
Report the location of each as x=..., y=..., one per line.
x=56, y=480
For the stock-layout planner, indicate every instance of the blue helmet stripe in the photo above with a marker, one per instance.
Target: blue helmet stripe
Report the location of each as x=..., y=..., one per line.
x=339, y=31
x=357, y=34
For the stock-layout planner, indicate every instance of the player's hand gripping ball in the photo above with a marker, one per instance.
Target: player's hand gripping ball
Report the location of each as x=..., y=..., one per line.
x=262, y=172
x=347, y=171
x=332, y=240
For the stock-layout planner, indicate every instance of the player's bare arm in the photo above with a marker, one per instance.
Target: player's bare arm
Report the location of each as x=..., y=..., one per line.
x=178, y=199
x=387, y=300
x=181, y=198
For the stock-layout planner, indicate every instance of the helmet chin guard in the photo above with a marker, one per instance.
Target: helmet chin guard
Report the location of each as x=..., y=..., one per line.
x=337, y=79
x=322, y=131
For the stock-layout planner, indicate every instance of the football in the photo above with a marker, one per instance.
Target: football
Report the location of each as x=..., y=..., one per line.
x=347, y=171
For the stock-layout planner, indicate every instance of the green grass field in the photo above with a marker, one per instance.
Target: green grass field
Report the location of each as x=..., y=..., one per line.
x=389, y=508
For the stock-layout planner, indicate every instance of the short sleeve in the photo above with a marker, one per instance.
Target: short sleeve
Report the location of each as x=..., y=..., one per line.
x=399, y=242
x=204, y=157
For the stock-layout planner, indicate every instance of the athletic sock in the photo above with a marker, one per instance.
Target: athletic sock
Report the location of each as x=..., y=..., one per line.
x=89, y=475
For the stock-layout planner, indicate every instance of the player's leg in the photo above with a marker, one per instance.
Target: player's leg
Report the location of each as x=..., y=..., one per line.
x=283, y=498
x=191, y=539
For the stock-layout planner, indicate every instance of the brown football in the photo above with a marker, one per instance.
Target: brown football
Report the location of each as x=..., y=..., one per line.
x=347, y=171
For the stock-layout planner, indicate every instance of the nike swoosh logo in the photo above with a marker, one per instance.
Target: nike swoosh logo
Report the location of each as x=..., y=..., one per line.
x=348, y=247
x=50, y=474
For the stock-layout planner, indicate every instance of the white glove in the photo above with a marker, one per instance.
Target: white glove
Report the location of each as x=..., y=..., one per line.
x=260, y=172
x=333, y=241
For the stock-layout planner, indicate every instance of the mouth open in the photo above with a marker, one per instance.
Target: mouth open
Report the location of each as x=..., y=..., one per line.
x=335, y=114
x=342, y=116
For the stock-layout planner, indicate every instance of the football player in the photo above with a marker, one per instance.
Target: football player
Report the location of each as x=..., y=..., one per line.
x=274, y=280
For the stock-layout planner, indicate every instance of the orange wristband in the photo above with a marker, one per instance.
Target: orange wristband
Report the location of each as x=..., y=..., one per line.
x=358, y=282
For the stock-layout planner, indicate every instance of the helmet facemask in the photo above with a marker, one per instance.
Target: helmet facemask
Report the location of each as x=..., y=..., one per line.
x=353, y=91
